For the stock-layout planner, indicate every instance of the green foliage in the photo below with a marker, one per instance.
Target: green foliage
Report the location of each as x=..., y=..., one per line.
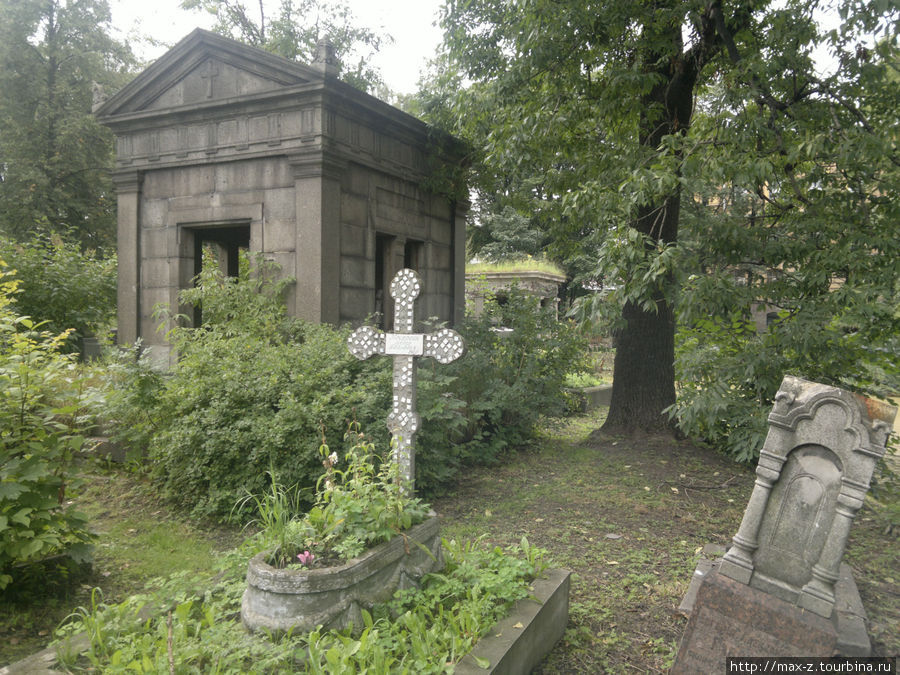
x=490, y=402
x=791, y=221
x=584, y=379
x=131, y=391
x=63, y=286
x=251, y=392
x=36, y=447
x=294, y=31
x=356, y=507
x=253, y=389
x=361, y=505
x=425, y=630
x=522, y=263
x=589, y=122
x=56, y=156
x=276, y=513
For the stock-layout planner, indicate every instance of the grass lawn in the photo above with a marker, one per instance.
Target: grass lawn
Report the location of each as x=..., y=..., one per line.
x=627, y=516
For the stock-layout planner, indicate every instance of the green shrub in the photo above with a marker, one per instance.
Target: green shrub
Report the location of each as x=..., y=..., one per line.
x=63, y=286
x=36, y=446
x=729, y=373
x=359, y=503
x=253, y=391
x=130, y=397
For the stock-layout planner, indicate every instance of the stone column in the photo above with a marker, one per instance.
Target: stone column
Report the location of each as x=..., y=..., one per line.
x=458, y=263
x=128, y=197
x=738, y=562
x=317, y=188
x=818, y=593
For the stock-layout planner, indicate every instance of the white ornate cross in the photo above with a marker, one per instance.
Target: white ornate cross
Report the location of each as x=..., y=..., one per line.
x=445, y=345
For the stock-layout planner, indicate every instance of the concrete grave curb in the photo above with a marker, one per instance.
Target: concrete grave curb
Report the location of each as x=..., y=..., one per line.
x=518, y=643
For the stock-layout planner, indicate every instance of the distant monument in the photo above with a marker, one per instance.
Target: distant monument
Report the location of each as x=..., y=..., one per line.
x=781, y=589
x=224, y=145
x=483, y=280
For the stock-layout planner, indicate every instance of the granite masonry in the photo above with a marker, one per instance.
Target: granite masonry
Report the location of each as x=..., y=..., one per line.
x=781, y=589
x=224, y=145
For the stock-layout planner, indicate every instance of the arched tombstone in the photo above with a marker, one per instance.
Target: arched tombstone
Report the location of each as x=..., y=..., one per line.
x=780, y=588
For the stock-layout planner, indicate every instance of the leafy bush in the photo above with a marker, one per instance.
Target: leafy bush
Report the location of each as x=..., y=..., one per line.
x=36, y=447
x=490, y=401
x=252, y=391
x=63, y=286
x=130, y=397
x=729, y=373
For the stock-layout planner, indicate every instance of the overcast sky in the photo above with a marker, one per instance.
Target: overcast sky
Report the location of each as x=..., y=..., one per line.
x=412, y=23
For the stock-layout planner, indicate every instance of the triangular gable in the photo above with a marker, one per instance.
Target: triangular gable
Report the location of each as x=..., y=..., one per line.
x=203, y=68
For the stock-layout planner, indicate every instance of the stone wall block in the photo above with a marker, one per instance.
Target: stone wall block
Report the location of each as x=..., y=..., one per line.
x=155, y=273
x=253, y=175
x=357, y=272
x=354, y=210
x=278, y=236
x=438, y=257
x=353, y=241
x=154, y=213
x=156, y=240
x=357, y=303
x=179, y=182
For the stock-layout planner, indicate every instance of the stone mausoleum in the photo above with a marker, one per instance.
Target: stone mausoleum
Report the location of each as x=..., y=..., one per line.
x=224, y=145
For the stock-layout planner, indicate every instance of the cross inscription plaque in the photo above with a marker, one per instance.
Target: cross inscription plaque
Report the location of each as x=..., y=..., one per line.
x=445, y=346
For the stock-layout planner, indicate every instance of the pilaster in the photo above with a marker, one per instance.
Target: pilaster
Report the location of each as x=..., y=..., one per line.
x=128, y=196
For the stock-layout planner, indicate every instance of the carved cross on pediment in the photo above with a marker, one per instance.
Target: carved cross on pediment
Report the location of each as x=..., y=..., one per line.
x=445, y=346
x=209, y=73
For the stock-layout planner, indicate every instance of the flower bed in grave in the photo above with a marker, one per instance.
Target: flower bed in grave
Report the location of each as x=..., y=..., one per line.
x=365, y=538
x=298, y=599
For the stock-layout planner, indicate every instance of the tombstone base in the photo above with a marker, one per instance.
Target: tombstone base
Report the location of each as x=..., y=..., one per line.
x=728, y=618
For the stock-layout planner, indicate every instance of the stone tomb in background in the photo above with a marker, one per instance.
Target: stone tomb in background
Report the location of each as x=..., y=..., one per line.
x=781, y=589
x=226, y=145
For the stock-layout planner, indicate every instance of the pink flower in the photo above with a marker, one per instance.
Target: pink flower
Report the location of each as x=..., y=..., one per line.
x=305, y=558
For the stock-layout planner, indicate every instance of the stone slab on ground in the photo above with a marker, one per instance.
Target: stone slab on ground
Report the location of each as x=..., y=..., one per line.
x=728, y=618
x=518, y=643
x=591, y=398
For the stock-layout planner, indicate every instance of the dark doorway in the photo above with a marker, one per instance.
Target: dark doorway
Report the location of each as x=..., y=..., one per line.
x=384, y=271
x=412, y=254
x=226, y=242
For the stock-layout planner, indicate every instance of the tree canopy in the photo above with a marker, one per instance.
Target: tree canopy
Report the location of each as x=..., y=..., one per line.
x=296, y=28
x=54, y=156
x=689, y=155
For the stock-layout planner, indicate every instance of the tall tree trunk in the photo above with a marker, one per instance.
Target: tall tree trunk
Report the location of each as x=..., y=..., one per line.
x=644, y=368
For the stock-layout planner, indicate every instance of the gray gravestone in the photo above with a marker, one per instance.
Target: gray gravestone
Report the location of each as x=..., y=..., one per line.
x=445, y=346
x=813, y=474
x=781, y=589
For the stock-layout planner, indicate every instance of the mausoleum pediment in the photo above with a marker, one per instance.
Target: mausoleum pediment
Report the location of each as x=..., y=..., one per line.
x=204, y=68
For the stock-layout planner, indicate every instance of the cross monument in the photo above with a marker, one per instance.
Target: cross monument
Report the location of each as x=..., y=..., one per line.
x=445, y=346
